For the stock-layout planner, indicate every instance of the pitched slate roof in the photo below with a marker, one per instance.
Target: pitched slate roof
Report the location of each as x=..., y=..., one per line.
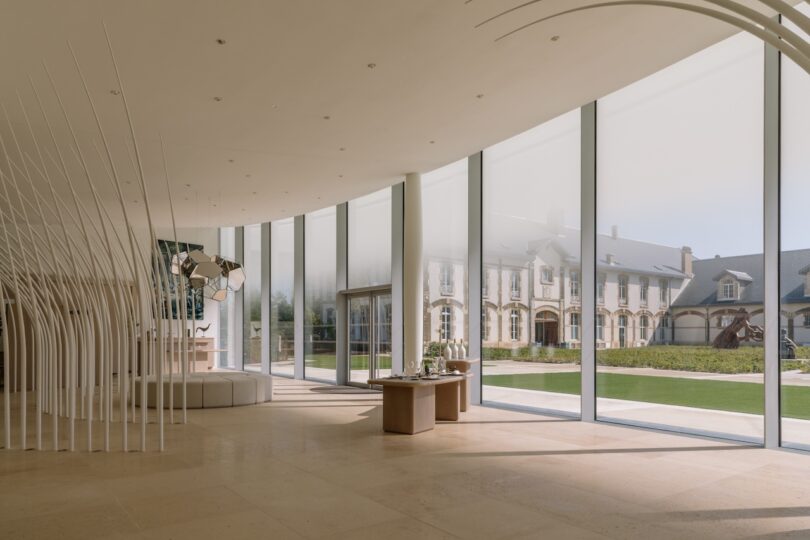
x=702, y=289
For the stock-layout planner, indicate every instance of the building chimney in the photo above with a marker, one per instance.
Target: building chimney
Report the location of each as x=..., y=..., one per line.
x=611, y=259
x=614, y=231
x=686, y=260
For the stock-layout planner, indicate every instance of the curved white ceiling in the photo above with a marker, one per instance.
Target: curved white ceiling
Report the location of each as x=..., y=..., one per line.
x=308, y=103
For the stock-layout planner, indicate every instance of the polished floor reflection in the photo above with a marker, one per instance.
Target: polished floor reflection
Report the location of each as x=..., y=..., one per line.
x=315, y=464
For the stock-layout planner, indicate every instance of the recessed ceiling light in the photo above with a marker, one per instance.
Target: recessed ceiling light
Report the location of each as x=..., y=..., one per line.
x=255, y=193
x=247, y=176
x=188, y=185
x=342, y=149
x=555, y=38
x=115, y=92
x=230, y=161
x=340, y=176
x=327, y=117
x=221, y=41
x=432, y=142
x=372, y=65
x=480, y=96
x=217, y=98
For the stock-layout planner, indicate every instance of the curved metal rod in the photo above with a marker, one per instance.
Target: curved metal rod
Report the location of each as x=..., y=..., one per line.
x=773, y=40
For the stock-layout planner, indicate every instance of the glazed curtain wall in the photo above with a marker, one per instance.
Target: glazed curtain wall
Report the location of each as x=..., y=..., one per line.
x=795, y=246
x=679, y=225
x=531, y=268
x=681, y=217
x=320, y=295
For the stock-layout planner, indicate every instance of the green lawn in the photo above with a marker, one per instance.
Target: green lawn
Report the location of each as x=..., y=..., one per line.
x=719, y=395
x=327, y=361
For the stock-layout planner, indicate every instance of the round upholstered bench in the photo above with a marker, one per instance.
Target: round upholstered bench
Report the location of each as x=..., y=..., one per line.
x=210, y=390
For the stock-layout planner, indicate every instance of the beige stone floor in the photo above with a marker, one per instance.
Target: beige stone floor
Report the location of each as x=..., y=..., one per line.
x=315, y=464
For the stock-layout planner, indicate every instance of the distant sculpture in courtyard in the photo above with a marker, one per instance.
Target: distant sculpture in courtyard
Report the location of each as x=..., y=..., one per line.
x=730, y=338
x=787, y=347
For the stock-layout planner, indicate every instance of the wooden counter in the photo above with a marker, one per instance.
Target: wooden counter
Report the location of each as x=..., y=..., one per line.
x=413, y=406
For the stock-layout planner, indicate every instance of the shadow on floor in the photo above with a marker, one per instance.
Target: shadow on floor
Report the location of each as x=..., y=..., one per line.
x=734, y=513
x=509, y=421
x=602, y=451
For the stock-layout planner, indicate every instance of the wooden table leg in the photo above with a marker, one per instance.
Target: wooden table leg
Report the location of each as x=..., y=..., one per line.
x=447, y=401
x=409, y=409
x=465, y=394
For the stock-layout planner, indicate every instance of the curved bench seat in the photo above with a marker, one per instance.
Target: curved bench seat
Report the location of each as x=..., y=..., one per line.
x=210, y=390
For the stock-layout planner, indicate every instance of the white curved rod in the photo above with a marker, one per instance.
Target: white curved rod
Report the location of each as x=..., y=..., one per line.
x=768, y=37
x=790, y=13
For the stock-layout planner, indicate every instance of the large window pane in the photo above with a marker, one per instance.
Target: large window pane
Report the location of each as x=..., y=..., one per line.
x=227, y=318
x=680, y=164
x=795, y=261
x=370, y=240
x=531, y=280
x=252, y=263
x=282, y=313
x=444, y=208
x=320, y=260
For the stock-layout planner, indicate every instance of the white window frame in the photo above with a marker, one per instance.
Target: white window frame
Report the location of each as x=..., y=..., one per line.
x=601, y=283
x=644, y=290
x=663, y=291
x=575, y=321
x=547, y=274
x=446, y=280
x=514, y=324
x=575, y=284
x=514, y=284
x=600, y=327
x=624, y=290
x=446, y=323
x=643, y=327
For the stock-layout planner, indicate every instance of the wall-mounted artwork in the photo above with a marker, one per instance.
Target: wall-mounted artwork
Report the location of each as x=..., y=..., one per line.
x=194, y=301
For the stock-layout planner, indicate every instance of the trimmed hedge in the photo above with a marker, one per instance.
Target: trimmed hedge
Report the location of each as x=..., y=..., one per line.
x=673, y=357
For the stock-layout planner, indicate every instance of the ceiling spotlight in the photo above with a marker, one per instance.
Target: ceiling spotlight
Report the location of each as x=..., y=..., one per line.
x=255, y=193
x=340, y=176
x=217, y=98
x=432, y=142
x=188, y=185
x=230, y=161
x=327, y=117
x=480, y=96
x=247, y=176
x=555, y=38
x=115, y=92
x=342, y=149
x=221, y=41
x=371, y=65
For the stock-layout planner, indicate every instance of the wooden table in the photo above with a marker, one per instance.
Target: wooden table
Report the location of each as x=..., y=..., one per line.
x=464, y=366
x=413, y=406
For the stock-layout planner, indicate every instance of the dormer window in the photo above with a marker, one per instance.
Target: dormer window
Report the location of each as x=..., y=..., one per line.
x=547, y=274
x=730, y=284
x=728, y=289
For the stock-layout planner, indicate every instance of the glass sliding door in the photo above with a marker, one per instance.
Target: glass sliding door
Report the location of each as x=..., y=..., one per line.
x=369, y=337
x=795, y=258
x=531, y=277
x=679, y=245
x=282, y=313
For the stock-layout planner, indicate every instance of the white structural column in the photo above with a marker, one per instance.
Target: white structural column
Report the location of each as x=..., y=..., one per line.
x=265, y=307
x=475, y=266
x=341, y=284
x=239, y=304
x=412, y=273
x=772, y=247
x=397, y=247
x=588, y=247
x=298, y=297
